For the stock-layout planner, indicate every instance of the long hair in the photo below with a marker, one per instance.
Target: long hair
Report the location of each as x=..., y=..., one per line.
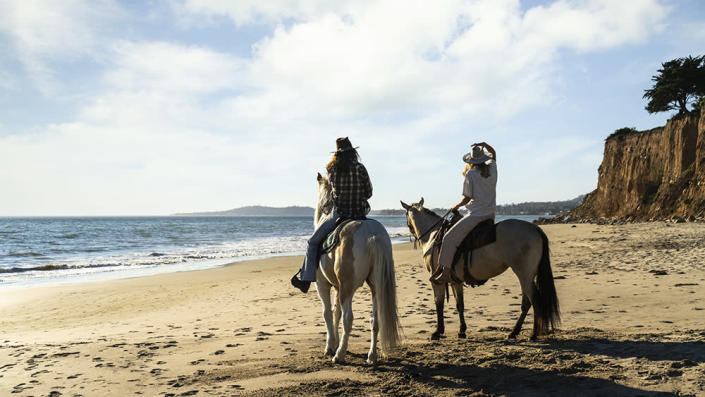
x=342, y=161
x=484, y=169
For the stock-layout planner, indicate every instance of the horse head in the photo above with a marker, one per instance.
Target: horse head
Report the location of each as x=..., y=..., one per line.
x=418, y=218
x=325, y=202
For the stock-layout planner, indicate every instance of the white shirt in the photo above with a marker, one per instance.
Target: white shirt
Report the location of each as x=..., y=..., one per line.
x=482, y=191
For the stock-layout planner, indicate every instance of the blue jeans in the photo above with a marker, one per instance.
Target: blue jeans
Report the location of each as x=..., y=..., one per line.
x=310, y=266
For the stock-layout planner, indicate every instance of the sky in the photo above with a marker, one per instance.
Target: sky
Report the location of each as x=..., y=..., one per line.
x=165, y=106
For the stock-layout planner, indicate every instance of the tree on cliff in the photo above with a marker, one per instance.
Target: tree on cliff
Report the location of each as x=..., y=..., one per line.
x=679, y=82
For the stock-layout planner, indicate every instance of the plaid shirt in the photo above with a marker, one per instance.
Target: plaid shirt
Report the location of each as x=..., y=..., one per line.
x=351, y=189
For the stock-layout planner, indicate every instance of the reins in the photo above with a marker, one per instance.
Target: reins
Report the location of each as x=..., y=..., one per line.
x=430, y=229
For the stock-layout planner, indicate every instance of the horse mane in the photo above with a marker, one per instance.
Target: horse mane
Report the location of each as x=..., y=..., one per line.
x=429, y=212
x=325, y=197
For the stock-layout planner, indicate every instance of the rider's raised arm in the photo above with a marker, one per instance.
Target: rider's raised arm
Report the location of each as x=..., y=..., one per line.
x=490, y=149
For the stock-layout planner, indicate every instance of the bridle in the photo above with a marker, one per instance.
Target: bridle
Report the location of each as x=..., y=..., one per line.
x=418, y=238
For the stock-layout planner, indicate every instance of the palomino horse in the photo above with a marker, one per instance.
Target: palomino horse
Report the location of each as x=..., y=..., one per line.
x=364, y=254
x=520, y=245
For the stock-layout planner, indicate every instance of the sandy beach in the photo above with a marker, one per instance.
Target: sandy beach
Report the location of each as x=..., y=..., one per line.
x=632, y=302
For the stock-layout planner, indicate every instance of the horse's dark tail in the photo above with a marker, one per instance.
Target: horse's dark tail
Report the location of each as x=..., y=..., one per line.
x=546, y=296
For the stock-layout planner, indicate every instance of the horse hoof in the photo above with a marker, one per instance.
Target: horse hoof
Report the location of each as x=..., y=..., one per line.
x=534, y=337
x=338, y=360
x=435, y=336
x=461, y=335
x=372, y=360
x=329, y=353
x=512, y=336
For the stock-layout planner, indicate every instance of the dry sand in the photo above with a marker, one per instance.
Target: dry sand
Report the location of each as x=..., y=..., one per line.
x=632, y=299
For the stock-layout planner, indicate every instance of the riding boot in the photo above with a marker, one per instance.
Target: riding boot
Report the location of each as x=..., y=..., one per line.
x=441, y=276
x=300, y=284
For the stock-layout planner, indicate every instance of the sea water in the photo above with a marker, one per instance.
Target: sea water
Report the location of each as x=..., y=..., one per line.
x=52, y=250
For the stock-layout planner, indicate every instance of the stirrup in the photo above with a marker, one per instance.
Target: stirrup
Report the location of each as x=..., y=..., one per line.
x=441, y=276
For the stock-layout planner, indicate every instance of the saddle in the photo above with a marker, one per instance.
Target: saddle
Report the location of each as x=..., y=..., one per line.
x=333, y=238
x=483, y=234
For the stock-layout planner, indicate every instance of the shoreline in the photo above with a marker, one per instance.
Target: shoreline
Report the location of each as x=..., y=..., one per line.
x=121, y=274
x=631, y=300
x=144, y=259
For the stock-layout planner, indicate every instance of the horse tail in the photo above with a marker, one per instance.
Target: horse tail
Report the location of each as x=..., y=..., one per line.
x=384, y=282
x=546, y=289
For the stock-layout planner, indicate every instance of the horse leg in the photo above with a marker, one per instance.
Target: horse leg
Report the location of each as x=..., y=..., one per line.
x=374, y=329
x=337, y=313
x=438, y=295
x=331, y=333
x=525, y=305
x=528, y=288
x=539, y=318
x=460, y=306
x=345, y=301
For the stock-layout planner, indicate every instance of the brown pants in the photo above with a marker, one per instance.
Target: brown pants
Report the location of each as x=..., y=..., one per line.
x=455, y=235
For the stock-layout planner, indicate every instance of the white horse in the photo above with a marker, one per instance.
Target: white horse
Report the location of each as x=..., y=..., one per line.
x=364, y=254
x=520, y=245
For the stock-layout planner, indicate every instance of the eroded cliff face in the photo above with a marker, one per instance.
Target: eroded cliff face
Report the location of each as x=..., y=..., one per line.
x=657, y=174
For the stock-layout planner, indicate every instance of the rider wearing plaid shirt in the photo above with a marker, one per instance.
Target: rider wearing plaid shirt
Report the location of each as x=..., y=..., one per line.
x=351, y=189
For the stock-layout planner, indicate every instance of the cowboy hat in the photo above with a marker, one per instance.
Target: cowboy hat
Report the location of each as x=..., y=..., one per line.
x=343, y=145
x=477, y=156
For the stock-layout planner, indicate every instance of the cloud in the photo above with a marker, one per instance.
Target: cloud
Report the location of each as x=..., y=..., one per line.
x=475, y=57
x=43, y=32
x=251, y=12
x=168, y=67
x=178, y=127
x=7, y=83
x=597, y=24
x=150, y=141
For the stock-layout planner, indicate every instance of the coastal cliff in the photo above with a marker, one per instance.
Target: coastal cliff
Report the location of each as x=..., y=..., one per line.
x=654, y=174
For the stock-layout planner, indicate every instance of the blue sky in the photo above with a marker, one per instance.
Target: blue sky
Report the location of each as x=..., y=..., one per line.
x=150, y=108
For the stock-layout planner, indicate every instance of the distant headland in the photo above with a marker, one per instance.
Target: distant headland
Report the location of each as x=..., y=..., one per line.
x=256, y=210
x=528, y=208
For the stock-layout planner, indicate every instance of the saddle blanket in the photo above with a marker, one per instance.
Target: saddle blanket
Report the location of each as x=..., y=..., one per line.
x=333, y=238
x=483, y=234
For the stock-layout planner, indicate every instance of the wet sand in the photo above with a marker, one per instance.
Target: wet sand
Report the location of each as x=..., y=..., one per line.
x=632, y=300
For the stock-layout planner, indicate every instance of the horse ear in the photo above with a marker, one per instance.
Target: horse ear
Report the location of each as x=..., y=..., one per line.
x=319, y=177
x=404, y=205
x=421, y=202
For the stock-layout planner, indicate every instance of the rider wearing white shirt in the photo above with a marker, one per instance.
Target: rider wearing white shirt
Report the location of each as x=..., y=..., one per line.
x=479, y=197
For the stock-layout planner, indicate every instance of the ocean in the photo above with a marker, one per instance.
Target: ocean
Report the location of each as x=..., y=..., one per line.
x=51, y=250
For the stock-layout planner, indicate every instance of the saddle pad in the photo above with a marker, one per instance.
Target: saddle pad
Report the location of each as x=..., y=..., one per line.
x=483, y=234
x=333, y=238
